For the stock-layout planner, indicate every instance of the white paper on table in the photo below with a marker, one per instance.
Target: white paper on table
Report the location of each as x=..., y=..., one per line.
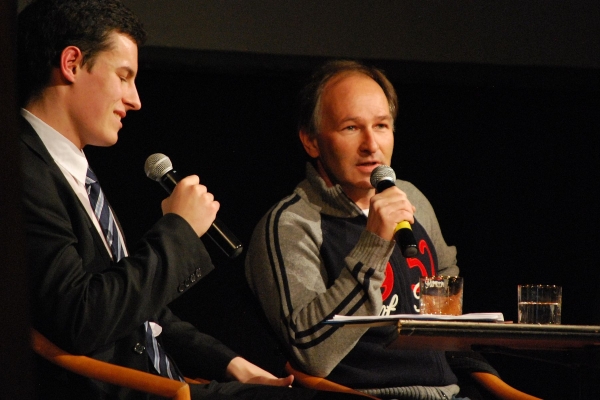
x=474, y=317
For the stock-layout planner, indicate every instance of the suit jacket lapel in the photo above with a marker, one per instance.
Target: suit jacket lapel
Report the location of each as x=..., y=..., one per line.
x=35, y=144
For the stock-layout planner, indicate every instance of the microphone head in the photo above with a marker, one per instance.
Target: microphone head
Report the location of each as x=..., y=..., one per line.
x=381, y=173
x=157, y=165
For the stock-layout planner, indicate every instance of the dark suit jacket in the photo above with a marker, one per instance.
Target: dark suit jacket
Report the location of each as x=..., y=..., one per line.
x=87, y=304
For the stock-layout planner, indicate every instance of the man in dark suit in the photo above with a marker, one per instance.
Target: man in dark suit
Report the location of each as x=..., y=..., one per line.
x=90, y=294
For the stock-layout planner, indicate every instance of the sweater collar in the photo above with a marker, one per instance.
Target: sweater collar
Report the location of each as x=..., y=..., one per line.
x=332, y=200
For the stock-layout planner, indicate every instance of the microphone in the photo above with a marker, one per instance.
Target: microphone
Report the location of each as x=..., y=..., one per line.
x=384, y=177
x=158, y=167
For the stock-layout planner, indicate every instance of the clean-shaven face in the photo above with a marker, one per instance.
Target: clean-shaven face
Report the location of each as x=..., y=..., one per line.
x=103, y=94
x=356, y=133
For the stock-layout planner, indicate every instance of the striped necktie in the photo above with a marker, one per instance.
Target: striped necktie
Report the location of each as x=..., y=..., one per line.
x=103, y=213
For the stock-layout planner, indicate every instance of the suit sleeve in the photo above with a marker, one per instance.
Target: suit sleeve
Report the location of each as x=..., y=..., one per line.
x=198, y=355
x=82, y=300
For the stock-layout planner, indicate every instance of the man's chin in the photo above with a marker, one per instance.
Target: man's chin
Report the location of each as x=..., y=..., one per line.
x=105, y=141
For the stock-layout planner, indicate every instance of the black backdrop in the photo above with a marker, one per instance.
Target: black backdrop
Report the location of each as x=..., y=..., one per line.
x=508, y=156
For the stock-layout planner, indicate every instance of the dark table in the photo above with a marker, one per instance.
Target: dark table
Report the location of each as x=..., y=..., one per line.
x=458, y=336
x=574, y=346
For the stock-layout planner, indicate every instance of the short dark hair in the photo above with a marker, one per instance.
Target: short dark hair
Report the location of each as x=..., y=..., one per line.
x=309, y=118
x=47, y=27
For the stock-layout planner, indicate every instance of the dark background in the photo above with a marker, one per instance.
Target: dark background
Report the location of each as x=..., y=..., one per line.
x=498, y=126
x=507, y=157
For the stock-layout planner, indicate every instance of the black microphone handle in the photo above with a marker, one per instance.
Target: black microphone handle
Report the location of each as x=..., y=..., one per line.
x=218, y=232
x=404, y=236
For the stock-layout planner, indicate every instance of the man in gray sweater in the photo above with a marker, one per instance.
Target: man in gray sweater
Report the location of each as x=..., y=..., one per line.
x=329, y=247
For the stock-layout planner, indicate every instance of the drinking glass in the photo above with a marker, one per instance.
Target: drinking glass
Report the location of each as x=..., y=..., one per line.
x=539, y=304
x=441, y=295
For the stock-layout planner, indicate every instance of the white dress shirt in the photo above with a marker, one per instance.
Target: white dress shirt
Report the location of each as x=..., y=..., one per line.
x=73, y=164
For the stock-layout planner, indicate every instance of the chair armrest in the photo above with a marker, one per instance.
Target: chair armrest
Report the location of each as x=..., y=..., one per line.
x=315, y=382
x=499, y=388
x=110, y=373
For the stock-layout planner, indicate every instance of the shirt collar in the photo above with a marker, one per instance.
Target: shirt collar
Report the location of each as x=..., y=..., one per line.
x=62, y=150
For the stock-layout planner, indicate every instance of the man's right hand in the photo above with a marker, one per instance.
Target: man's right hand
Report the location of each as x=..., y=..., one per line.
x=386, y=210
x=192, y=202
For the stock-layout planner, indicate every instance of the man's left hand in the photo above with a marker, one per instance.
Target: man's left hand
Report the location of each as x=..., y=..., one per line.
x=246, y=372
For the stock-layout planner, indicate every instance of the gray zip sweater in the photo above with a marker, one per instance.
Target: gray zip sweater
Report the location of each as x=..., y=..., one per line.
x=310, y=258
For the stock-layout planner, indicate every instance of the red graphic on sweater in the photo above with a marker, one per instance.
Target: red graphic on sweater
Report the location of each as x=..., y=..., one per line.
x=424, y=247
x=388, y=282
x=415, y=263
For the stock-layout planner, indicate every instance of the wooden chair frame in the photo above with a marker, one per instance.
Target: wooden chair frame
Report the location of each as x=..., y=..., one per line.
x=499, y=388
x=490, y=382
x=110, y=373
x=315, y=382
x=176, y=390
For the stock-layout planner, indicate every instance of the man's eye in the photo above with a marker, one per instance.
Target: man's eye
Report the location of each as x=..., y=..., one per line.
x=350, y=128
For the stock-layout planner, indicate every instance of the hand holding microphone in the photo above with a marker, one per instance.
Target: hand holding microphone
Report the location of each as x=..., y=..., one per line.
x=158, y=167
x=192, y=202
x=382, y=178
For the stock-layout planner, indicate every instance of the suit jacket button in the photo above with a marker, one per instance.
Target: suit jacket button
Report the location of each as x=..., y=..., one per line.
x=198, y=273
x=193, y=278
x=187, y=282
x=181, y=288
x=139, y=348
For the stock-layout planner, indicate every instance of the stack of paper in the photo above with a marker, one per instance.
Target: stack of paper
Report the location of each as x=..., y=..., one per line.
x=475, y=317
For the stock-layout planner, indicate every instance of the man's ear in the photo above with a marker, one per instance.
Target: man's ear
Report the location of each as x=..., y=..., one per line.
x=70, y=62
x=310, y=144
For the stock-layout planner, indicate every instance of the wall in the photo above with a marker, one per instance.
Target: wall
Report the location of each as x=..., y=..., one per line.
x=506, y=32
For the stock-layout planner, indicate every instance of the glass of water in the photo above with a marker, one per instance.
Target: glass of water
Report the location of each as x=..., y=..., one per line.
x=539, y=304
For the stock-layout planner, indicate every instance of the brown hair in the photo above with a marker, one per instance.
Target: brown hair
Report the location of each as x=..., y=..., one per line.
x=309, y=118
x=47, y=27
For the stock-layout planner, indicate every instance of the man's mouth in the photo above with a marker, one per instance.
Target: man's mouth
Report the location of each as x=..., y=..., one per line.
x=369, y=164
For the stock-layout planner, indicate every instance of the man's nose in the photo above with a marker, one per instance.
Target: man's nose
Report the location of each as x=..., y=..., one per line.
x=132, y=99
x=369, y=142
